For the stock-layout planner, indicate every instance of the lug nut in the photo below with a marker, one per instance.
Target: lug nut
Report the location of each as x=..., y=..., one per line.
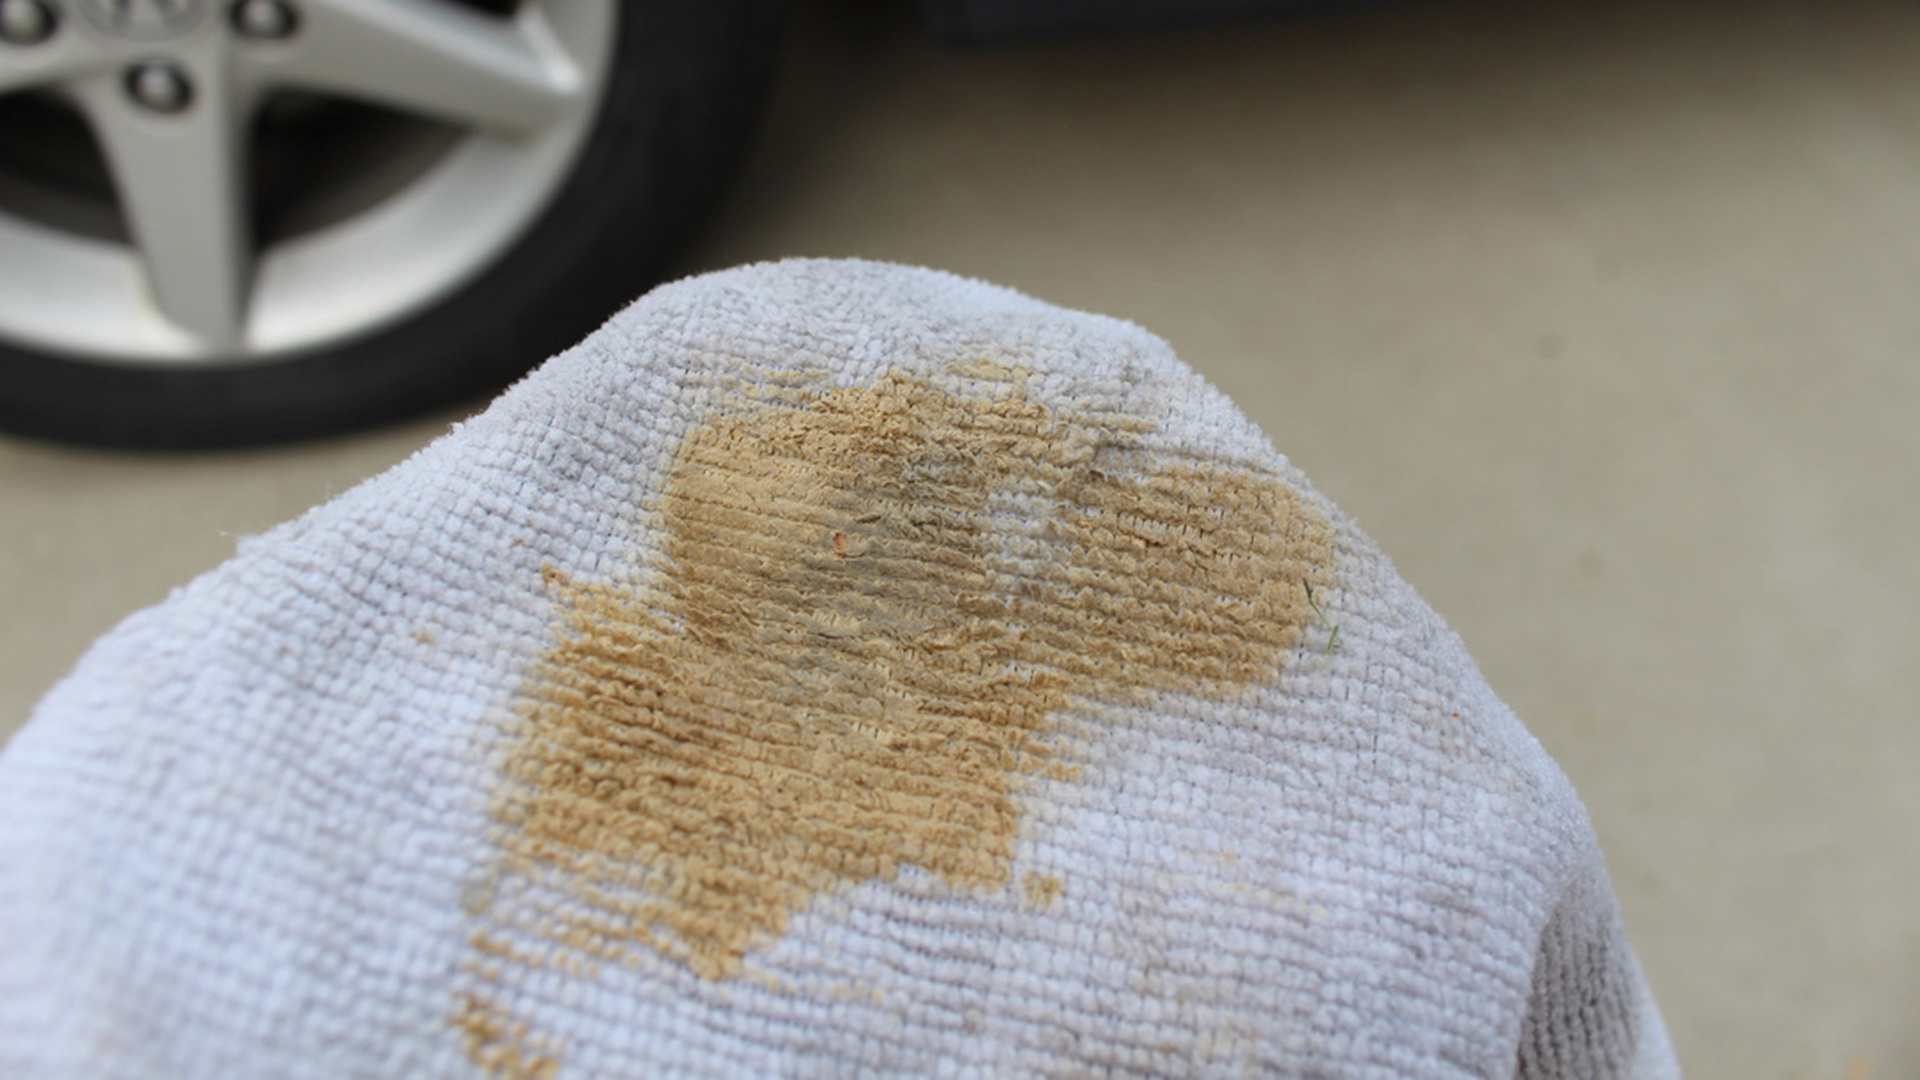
x=26, y=22
x=265, y=20
x=159, y=86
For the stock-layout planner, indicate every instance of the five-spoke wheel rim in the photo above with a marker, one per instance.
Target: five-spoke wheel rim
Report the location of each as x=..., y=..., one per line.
x=480, y=117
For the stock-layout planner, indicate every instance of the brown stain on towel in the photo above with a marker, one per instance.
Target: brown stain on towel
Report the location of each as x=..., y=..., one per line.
x=1041, y=889
x=500, y=1046
x=869, y=612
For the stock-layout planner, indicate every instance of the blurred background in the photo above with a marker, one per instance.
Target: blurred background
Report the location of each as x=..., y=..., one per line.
x=1599, y=316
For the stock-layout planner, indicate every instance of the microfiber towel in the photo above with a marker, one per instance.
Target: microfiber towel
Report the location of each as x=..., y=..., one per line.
x=825, y=669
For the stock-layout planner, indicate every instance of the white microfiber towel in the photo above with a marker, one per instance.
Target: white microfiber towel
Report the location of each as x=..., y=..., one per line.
x=826, y=669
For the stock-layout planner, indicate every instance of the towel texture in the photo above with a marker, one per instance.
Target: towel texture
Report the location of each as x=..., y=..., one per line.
x=826, y=669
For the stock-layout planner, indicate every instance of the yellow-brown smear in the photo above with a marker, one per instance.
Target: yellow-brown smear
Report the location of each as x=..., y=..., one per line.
x=844, y=660
x=501, y=1047
x=1041, y=889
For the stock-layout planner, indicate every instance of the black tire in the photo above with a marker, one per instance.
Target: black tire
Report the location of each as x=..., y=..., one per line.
x=686, y=85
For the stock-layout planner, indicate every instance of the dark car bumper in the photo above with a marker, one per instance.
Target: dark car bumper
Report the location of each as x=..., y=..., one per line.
x=988, y=20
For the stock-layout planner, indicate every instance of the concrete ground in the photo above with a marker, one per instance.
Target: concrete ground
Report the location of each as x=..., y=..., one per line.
x=1600, y=317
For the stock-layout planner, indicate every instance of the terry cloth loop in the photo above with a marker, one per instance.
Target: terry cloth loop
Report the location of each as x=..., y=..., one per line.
x=826, y=668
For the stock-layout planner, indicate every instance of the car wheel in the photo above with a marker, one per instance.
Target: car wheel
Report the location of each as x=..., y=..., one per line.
x=242, y=221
